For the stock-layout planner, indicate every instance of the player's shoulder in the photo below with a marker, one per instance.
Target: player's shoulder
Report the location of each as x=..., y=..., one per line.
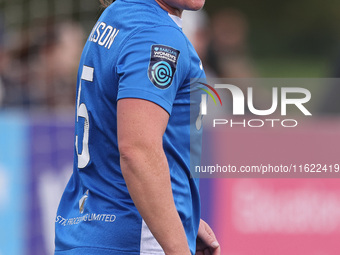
x=145, y=29
x=136, y=16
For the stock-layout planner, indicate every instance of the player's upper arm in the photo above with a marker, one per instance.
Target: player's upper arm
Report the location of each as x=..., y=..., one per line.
x=141, y=125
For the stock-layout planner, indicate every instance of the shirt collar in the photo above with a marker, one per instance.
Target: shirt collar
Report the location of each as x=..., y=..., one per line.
x=176, y=19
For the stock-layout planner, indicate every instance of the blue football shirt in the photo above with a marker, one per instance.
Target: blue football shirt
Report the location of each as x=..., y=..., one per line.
x=135, y=50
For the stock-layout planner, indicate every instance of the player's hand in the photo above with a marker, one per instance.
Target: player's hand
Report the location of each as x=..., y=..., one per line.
x=206, y=242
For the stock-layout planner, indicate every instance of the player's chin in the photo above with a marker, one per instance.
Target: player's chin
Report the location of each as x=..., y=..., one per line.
x=195, y=5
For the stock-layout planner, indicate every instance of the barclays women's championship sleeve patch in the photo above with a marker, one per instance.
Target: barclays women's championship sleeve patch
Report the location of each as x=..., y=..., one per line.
x=162, y=66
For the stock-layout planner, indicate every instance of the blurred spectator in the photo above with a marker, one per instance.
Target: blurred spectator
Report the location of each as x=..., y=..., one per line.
x=11, y=91
x=222, y=47
x=196, y=28
x=40, y=72
x=2, y=61
x=16, y=70
x=330, y=104
x=228, y=52
x=57, y=64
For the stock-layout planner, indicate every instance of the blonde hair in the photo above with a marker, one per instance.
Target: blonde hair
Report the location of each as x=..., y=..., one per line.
x=105, y=3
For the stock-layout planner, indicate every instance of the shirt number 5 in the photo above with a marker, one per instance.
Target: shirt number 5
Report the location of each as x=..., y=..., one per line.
x=84, y=156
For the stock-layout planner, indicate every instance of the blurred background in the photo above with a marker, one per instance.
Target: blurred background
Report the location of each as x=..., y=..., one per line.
x=40, y=46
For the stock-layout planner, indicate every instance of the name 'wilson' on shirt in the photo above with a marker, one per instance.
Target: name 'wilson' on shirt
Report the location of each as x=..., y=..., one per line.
x=103, y=34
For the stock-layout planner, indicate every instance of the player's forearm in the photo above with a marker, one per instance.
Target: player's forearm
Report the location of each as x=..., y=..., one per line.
x=146, y=173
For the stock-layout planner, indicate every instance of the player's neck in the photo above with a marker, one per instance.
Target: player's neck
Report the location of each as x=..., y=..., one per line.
x=169, y=9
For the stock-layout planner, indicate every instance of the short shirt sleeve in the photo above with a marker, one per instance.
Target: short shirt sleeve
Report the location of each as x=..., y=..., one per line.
x=152, y=65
